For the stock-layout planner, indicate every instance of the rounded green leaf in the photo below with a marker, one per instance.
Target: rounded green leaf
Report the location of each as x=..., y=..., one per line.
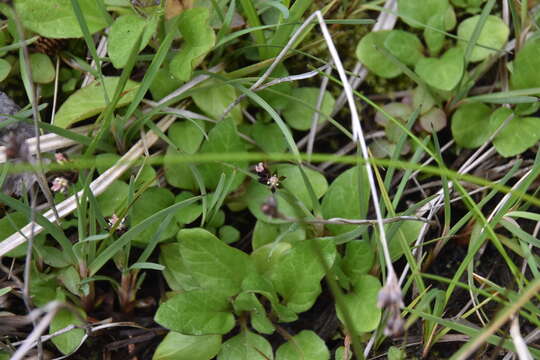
x=246, y=346
x=176, y=346
x=214, y=264
x=223, y=138
x=269, y=137
x=518, y=135
x=373, y=59
x=358, y=259
x=164, y=83
x=526, y=65
x=494, y=35
x=434, y=120
x=197, y=312
x=362, y=304
x=199, y=38
x=124, y=33
x=229, y=234
x=471, y=125
x=5, y=69
x=303, y=346
x=56, y=18
x=42, y=68
x=213, y=98
x=299, y=114
x=348, y=198
x=416, y=13
x=150, y=202
x=178, y=174
x=187, y=135
x=298, y=273
x=70, y=340
x=443, y=73
x=189, y=213
x=176, y=273
x=90, y=101
x=406, y=47
x=113, y=198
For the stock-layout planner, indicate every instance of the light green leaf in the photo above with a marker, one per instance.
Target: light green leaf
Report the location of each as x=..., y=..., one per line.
x=213, y=98
x=435, y=39
x=303, y=346
x=187, y=135
x=43, y=71
x=223, y=138
x=69, y=341
x=150, y=202
x=526, y=65
x=471, y=126
x=298, y=274
x=124, y=33
x=416, y=13
x=362, y=304
x=212, y=263
x=190, y=213
x=369, y=55
x=300, y=116
x=176, y=346
x=407, y=232
x=443, y=73
x=197, y=312
x=56, y=18
x=176, y=273
x=494, y=34
x=269, y=137
x=178, y=174
x=295, y=183
x=114, y=198
x=358, y=259
x=90, y=101
x=518, y=135
x=348, y=198
x=404, y=46
x=246, y=346
x=164, y=83
x=199, y=38
x=5, y=69
x=229, y=234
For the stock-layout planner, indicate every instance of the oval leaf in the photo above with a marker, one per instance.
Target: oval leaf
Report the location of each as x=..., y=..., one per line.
x=176, y=346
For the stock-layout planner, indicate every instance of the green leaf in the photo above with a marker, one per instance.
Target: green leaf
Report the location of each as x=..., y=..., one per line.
x=471, y=126
x=150, y=202
x=190, y=213
x=164, y=83
x=229, y=234
x=372, y=58
x=56, y=18
x=5, y=69
x=177, y=275
x=303, y=346
x=90, y=101
x=359, y=258
x=407, y=232
x=187, y=135
x=212, y=263
x=494, y=35
x=124, y=33
x=199, y=38
x=43, y=71
x=246, y=346
x=178, y=174
x=416, y=13
x=223, y=138
x=435, y=39
x=197, y=312
x=300, y=116
x=443, y=73
x=213, y=98
x=518, y=135
x=346, y=198
x=68, y=342
x=269, y=137
x=362, y=304
x=526, y=65
x=10, y=225
x=406, y=47
x=297, y=275
x=114, y=198
x=176, y=346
